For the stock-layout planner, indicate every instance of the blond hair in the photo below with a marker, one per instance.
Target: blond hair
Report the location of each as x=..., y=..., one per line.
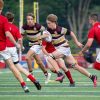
x=52, y=18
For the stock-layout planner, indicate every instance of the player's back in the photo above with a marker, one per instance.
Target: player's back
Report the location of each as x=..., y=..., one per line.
x=3, y=22
x=15, y=32
x=97, y=31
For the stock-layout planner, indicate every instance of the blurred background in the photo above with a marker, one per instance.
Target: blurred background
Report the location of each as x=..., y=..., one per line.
x=72, y=14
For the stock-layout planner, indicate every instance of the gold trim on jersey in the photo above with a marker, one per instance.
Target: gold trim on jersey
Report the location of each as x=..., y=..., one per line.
x=33, y=39
x=64, y=30
x=56, y=41
x=55, y=35
x=31, y=31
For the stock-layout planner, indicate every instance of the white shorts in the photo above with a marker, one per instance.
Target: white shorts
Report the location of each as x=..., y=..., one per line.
x=4, y=55
x=65, y=51
x=98, y=58
x=36, y=49
x=13, y=53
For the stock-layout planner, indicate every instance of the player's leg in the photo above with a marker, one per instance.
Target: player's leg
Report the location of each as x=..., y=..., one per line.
x=7, y=57
x=29, y=59
x=40, y=63
x=43, y=68
x=62, y=65
x=29, y=76
x=17, y=74
x=15, y=59
x=35, y=51
x=70, y=60
x=56, y=67
x=66, y=53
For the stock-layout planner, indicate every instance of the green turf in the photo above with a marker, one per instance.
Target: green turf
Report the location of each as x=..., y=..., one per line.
x=10, y=88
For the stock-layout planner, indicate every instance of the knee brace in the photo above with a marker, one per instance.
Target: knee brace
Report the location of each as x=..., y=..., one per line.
x=96, y=66
x=73, y=65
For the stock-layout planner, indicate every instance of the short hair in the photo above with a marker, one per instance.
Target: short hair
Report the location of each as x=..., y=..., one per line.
x=52, y=18
x=31, y=14
x=94, y=17
x=1, y=4
x=10, y=16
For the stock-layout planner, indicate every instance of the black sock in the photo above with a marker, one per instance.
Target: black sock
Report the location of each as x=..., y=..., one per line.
x=59, y=73
x=46, y=74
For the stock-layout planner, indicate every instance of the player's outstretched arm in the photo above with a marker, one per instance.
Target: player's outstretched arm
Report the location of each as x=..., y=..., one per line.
x=9, y=35
x=80, y=45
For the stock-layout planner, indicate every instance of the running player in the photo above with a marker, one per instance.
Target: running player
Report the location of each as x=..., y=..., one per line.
x=4, y=33
x=13, y=51
x=52, y=64
x=58, y=39
x=94, y=34
x=33, y=31
x=48, y=48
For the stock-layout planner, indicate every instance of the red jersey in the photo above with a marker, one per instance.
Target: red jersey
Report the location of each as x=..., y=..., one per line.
x=94, y=32
x=13, y=29
x=48, y=46
x=3, y=29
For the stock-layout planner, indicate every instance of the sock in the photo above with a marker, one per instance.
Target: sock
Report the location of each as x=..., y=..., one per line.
x=23, y=84
x=31, y=72
x=30, y=76
x=92, y=77
x=59, y=73
x=68, y=74
x=46, y=74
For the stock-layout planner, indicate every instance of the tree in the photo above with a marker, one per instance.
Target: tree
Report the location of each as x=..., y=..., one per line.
x=77, y=15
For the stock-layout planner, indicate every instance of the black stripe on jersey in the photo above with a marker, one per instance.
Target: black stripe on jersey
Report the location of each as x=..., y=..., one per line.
x=32, y=41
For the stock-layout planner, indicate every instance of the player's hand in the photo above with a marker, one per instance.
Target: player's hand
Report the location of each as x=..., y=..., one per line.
x=80, y=45
x=18, y=46
x=80, y=53
x=23, y=48
x=52, y=56
x=39, y=37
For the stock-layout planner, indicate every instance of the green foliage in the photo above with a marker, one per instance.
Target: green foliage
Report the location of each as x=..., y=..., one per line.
x=58, y=7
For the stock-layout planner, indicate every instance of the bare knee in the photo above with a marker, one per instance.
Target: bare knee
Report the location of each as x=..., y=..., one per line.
x=28, y=58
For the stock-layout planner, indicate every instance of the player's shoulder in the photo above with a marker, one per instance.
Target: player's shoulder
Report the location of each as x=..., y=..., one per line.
x=37, y=25
x=25, y=26
x=15, y=26
x=3, y=18
x=96, y=25
x=60, y=29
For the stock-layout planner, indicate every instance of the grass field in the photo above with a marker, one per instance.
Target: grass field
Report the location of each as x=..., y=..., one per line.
x=10, y=88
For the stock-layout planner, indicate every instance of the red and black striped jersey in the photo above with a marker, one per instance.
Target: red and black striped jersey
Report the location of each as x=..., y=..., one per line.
x=32, y=32
x=58, y=35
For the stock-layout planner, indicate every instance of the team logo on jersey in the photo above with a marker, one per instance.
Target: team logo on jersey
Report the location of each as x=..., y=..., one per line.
x=10, y=28
x=34, y=28
x=55, y=32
